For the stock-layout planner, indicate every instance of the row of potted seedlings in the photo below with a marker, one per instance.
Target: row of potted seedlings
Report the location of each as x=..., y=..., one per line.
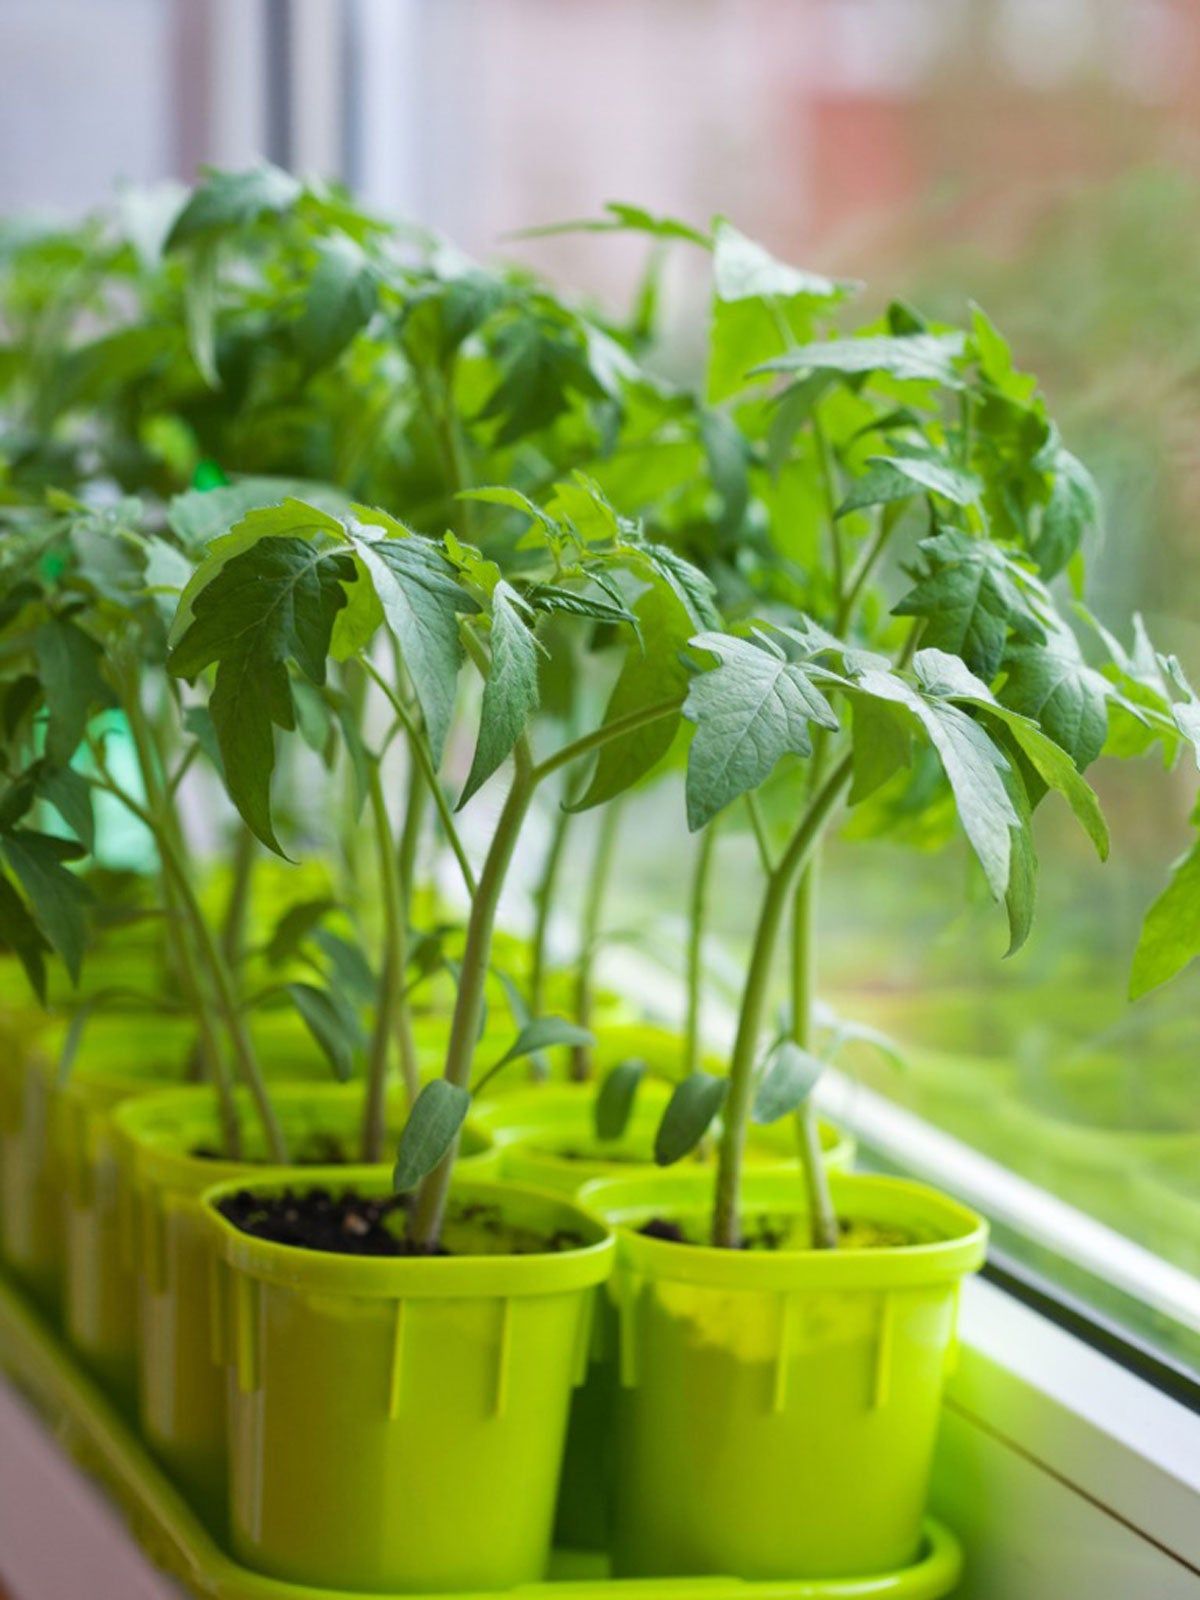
x=448, y=535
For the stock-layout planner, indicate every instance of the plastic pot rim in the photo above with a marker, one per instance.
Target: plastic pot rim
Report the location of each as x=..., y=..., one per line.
x=624, y=1203
x=424, y=1277
x=160, y=1162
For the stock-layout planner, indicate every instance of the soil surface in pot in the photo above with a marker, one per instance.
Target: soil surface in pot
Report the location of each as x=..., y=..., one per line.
x=352, y=1224
x=791, y=1233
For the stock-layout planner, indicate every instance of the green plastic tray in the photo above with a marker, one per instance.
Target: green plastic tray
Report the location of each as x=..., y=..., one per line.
x=172, y=1536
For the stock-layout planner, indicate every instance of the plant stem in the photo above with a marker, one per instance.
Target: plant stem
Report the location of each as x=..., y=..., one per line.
x=726, y=1216
x=828, y=471
x=227, y=1005
x=224, y=996
x=410, y=837
x=593, y=909
x=864, y=567
x=233, y=929
x=355, y=686
x=822, y=1216
x=410, y=834
x=759, y=828
x=420, y=751
x=161, y=815
x=604, y=735
x=543, y=900
x=697, y=921
x=428, y=1213
x=391, y=978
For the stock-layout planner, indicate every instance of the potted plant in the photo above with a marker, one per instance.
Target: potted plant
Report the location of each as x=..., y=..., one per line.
x=443, y=603
x=780, y=1333
x=262, y=309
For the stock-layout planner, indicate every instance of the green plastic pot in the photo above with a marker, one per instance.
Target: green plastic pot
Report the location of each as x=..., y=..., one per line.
x=778, y=1408
x=31, y=1224
x=179, y=1544
x=397, y=1423
x=119, y=1057
x=180, y=1387
x=546, y=1137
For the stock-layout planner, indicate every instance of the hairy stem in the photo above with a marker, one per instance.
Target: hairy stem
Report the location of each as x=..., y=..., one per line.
x=726, y=1229
x=160, y=803
x=829, y=484
x=428, y=1214
x=593, y=910
x=391, y=977
x=233, y=928
x=697, y=922
x=543, y=900
x=410, y=837
x=822, y=1216
x=605, y=735
x=224, y=996
x=419, y=749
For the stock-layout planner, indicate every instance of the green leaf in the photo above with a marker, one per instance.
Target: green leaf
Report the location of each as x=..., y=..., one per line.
x=651, y=672
x=421, y=603
x=430, y=1132
x=926, y=357
x=198, y=516
x=69, y=663
x=728, y=454
x=199, y=723
x=622, y=218
x=273, y=603
x=70, y=794
x=510, y=695
x=349, y=968
x=289, y=519
x=23, y=937
x=974, y=766
x=616, y=1097
x=973, y=595
x=550, y=597
x=995, y=360
x=542, y=367
x=790, y=1078
x=688, y=1116
x=750, y=710
x=1070, y=515
x=56, y=897
x=891, y=478
x=227, y=200
x=543, y=1033
x=1171, y=933
x=1020, y=898
x=945, y=675
x=1068, y=699
x=200, y=309
x=882, y=746
x=759, y=305
x=342, y=295
x=333, y=1023
x=693, y=587
x=294, y=926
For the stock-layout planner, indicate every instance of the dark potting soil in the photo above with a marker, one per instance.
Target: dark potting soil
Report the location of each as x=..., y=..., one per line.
x=357, y=1225
x=788, y=1233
